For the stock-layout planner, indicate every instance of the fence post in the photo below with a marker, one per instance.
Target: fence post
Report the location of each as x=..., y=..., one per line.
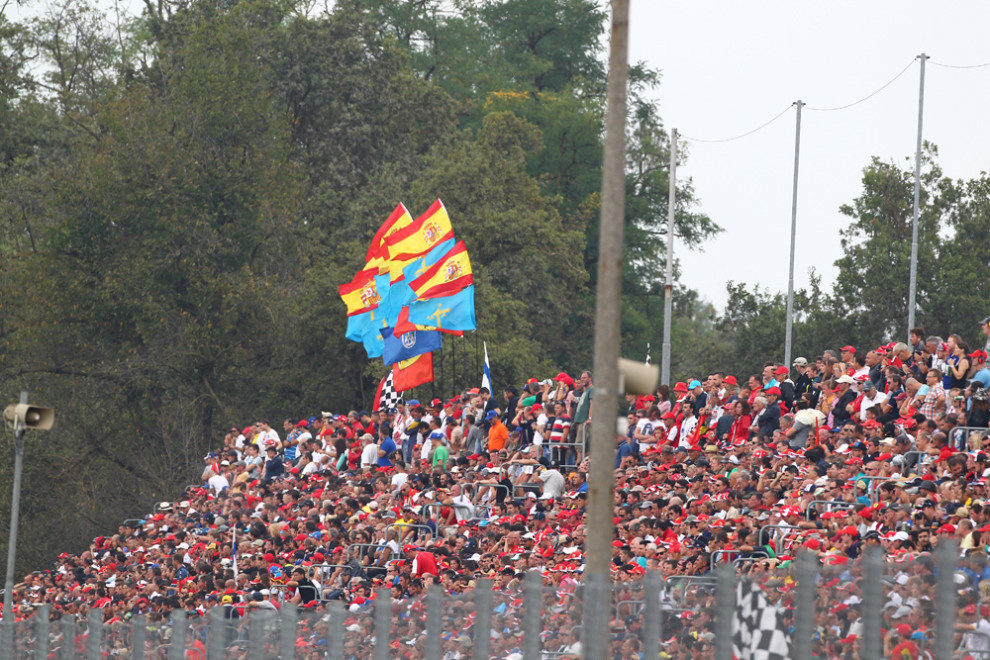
x=139, y=632
x=383, y=623
x=651, y=615
x=217, y=641
x=872, y=569
x=595, y=591
x=68, y=637
x=483, y=619
x=335, y=643
x=533, y=623
x=7, y=636
x=94, y=624
x=434, y=620
x=256, y=634
x=725, y=590
x=42, y=628
x=804, y=619
x=946, y=555
x=177, y=649
x=287, y=635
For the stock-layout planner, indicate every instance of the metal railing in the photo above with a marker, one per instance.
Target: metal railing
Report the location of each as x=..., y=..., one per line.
x=536, y=621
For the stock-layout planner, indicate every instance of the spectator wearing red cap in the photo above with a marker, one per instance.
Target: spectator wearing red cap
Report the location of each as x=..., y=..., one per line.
x=767, y=413
x=788, y=392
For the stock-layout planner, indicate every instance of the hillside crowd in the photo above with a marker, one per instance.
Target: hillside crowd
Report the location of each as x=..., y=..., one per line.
x=829, y=455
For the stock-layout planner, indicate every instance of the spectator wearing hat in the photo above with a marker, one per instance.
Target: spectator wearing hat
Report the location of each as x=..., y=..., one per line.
x=981, y=375
x=767, y=413
x=845, y=396
x=869, y=398
x=274, y=467
x=788, y=391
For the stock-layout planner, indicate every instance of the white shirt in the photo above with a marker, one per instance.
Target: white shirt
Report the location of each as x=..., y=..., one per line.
x=878, y=398
x=687, y=428
x=218, y=482
x=369, y=455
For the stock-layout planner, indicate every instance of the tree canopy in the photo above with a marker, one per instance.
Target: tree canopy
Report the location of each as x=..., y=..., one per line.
x=182, y=192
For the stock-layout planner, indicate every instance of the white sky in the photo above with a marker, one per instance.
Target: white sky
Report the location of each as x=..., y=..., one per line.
x=728, y=67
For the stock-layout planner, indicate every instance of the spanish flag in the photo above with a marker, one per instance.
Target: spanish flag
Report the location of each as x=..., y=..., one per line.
x=377, y=254
x=447, y=276
x=360, y=294
x=420, y=236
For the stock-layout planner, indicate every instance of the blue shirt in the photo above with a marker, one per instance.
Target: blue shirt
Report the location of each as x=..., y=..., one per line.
x=387, y=446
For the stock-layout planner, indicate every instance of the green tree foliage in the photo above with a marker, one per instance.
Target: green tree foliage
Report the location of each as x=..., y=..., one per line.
x=181, y=194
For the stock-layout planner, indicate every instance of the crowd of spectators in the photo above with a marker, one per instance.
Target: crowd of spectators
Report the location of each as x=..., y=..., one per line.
x=829, y=455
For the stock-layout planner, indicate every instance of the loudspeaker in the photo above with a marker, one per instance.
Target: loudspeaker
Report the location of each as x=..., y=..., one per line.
x=637, y=378
x=30, y=417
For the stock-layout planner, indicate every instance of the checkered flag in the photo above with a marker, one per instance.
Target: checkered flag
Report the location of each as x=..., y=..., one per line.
x=758, y=633
x=387, y=398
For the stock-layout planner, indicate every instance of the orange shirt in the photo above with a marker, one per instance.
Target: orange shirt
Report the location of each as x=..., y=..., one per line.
x=497, y=435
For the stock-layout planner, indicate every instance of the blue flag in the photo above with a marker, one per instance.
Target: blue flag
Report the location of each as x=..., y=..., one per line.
x=409, y=345
x=364, y=328
x=454, y=312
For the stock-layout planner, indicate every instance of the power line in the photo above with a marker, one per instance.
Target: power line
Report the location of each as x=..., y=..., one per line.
x=959, y=66
x=747, y=133
x=868, y=96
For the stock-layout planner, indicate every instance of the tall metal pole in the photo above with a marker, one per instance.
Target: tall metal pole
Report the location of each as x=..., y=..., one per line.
x=913, y=287
x=15, y=514
x=790, y=276
x=608, y=314
x=668, y=287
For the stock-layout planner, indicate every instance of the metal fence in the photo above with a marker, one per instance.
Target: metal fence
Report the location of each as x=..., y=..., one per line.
x=923, y=604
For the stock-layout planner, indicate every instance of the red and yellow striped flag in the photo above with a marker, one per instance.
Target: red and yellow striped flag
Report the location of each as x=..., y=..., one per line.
x=418, y=237
x=447, y=276
x=360, y=294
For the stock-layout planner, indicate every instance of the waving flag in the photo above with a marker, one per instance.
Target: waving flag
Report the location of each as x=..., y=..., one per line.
x=360, y=294
x=402, y=326
x=420, y=235
x=386, y=398
x=448, y=275
x=409, y=345
x=454, y=312
x=410, y=373
x=401, y=293
x=486, y=376
x=377, y=253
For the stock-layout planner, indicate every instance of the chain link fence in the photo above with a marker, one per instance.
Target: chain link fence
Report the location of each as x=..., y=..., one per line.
x=923, y=605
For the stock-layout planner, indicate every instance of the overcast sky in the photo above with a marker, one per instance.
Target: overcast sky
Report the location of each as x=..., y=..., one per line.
x=728, y=67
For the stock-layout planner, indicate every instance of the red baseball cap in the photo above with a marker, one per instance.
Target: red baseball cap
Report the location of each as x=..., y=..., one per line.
x=729, y=380
x=851, y=349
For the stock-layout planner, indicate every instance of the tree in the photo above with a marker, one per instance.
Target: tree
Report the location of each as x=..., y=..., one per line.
x=872, y=286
